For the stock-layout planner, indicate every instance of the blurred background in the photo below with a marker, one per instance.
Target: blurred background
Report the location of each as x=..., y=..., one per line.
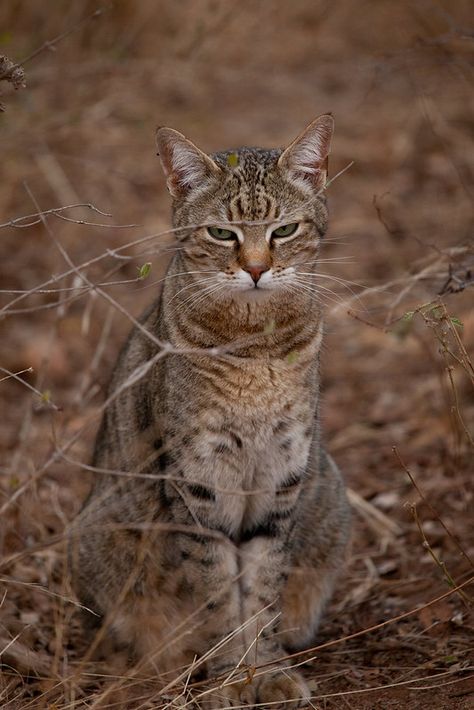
x=398, y=79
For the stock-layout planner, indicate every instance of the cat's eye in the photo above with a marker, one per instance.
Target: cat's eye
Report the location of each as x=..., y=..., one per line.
x=219, y=233
x=286, y=230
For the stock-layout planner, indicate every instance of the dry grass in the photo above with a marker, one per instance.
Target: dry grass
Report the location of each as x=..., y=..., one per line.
x=77, y=146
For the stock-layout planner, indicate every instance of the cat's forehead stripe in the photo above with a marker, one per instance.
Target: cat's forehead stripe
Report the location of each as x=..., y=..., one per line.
x=247, y=169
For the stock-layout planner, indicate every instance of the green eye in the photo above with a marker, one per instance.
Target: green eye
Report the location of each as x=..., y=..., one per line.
x=286, y=230
x=219, y=233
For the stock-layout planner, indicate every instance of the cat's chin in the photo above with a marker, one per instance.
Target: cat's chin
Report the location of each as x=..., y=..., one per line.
x=252, y=295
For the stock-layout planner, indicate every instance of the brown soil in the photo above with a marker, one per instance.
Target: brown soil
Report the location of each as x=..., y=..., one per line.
x=397, y=78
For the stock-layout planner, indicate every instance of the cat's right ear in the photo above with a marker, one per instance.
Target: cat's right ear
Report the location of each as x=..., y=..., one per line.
x=185, y=166
x=306, y=159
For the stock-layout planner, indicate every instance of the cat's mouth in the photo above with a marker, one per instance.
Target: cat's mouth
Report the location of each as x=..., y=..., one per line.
x=243, y=287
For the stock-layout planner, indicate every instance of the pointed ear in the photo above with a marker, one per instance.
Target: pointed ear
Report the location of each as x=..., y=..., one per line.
x=185, y=166
x=306, y=159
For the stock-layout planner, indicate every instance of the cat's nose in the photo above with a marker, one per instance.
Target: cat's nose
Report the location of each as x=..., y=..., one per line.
x=256, y=270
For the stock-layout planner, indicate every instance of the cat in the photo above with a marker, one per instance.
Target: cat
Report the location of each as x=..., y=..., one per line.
x=229, y=522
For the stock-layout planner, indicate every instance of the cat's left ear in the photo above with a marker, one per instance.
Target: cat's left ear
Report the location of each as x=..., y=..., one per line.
x=306, y=159
x=185, y=166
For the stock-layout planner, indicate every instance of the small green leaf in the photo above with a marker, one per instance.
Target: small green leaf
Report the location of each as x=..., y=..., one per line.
x=144, y=270
x=456, y=321
x=449, y=660
x=436, y=312
x=46, y=396
x=14, y=481
x=292, y=357
x=408, y=316
x=233, y=160
x=269, y=327
x=5, y=37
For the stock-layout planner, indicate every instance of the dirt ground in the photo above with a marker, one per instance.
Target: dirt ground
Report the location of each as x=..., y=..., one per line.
x=398, y=382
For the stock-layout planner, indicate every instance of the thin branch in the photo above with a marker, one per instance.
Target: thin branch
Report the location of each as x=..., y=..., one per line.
x=44, y=396
x=433, y=510
x=51, y=43
x=16, y=221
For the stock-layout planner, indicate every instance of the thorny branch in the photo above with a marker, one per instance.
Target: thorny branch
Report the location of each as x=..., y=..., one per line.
x=435, y=513
x=22, y=223
x=455, y=283
x=13, y=72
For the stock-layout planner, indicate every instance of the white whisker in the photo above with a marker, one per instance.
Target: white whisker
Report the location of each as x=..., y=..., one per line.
x=337, y=279
x=318, y=289
x=297, y=288
x=317, y=260
x=190, y=285
x=193, y=298
x=205, y=294
x=169, y=276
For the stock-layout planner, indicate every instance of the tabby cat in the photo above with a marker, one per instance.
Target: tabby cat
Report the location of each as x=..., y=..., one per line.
x=217, y=523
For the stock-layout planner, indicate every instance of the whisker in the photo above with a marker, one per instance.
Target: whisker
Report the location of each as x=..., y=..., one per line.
x=205, y=294
x=346, y=301
x=339, y=279
x=320, y=297
x=169, y=276
x=200, y=271
x=337, y=240
x=311, y=283
x=309, y=288
x=201, y=291
x=193, y=299
x=326, y=258
x=343, y=282
x=312, y=288
x=190, y=285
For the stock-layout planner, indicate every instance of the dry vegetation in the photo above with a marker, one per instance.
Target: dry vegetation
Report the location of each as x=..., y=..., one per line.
x=77, y=142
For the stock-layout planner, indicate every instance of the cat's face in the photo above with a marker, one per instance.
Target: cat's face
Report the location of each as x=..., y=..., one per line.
x=252, y=219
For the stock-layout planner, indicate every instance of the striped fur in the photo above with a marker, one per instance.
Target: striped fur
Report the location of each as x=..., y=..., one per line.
x=232, y=515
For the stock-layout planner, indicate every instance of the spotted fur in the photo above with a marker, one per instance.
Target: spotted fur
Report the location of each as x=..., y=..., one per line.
x=232, y=516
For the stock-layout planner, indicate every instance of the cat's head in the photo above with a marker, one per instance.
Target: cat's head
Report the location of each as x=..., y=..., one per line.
x=252, y=218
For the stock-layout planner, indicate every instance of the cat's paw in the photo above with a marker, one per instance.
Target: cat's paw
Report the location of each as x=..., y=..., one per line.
x=284, y=689
x=228, y=696
x=281, y=689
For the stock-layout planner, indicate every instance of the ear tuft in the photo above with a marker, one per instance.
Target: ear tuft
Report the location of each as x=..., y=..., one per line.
x=185, y=166
x=306, y=159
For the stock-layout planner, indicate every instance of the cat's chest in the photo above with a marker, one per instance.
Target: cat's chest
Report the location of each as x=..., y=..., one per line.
x=248, y=442
x=247, y=471
x=256, y=419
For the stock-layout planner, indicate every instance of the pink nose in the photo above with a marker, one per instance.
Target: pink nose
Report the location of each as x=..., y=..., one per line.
x=256, y=270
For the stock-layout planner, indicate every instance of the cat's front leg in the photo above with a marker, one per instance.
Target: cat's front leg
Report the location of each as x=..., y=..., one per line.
x=265, y=565
x=239, y=621
x=210, y=578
